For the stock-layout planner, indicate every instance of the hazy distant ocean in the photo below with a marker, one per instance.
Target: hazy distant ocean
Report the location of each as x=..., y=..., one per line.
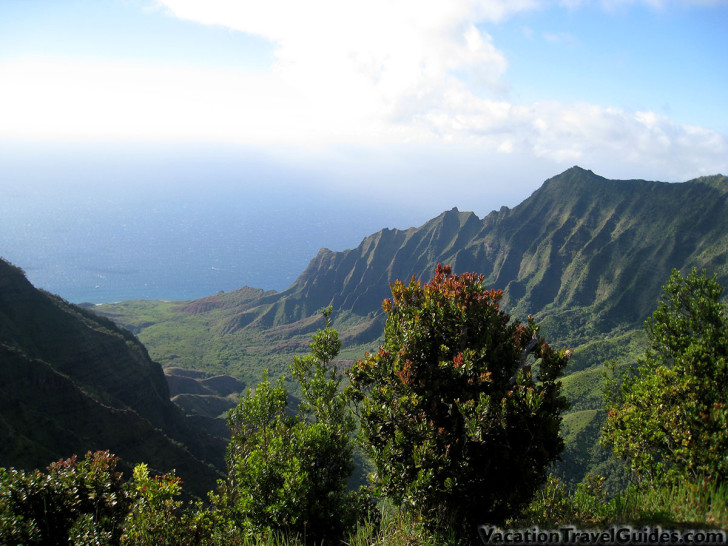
x=108, y=246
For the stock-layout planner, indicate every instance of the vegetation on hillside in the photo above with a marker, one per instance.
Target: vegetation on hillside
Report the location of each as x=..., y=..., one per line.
x=669, y=416
x=581, y=254
x=73, y=382
x=449, y=400
x=584, y=255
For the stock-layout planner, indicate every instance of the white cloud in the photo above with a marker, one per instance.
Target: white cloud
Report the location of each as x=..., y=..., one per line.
x=59, y=99
x=352, y=71
x=375, y=74
x=374, y=58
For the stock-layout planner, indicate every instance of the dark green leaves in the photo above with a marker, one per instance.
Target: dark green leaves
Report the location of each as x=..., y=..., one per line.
x=289, y=473
x=455, y=420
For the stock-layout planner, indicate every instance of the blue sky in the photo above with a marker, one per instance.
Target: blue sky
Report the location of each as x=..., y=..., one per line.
x=468, y=103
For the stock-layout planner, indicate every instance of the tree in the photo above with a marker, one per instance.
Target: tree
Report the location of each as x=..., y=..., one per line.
x=458, y=423
x=668, y=417
x=289, y=472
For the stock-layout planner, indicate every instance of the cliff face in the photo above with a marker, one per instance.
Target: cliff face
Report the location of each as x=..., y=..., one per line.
x=74, y=382
x=585, y=255
x=580, y=249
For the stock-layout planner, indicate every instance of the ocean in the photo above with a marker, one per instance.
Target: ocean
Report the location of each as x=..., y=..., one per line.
x=108, y=244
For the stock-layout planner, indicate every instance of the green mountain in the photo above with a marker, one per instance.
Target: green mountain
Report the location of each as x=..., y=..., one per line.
x=74, y=382
x=590, y=254
x=585, y=255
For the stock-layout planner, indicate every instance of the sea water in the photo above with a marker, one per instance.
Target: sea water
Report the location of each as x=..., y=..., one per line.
x=107, y=244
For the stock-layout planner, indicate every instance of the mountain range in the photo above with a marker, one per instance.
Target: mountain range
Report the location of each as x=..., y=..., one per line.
x=586, y=256
x=580, y=242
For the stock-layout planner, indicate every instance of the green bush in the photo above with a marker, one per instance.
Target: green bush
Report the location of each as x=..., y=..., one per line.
x=669, y=418
x=288, y=473
x=77, y=501
x=460, y=424
x=156, y=517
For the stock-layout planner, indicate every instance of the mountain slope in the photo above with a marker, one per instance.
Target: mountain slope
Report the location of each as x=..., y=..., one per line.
x=585, y=255
x=74, y=382
x=589, y=253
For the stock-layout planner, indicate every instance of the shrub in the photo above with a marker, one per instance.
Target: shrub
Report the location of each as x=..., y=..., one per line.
x=289, y=473
x=74, y=500
x=460, y=424
x=669, y=417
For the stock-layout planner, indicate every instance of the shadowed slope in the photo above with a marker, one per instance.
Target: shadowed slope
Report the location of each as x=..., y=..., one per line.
x=74, y=382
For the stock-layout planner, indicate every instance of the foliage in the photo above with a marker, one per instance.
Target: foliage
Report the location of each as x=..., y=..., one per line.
x=156, y=517
x=587, y=506
x=399, y=527
x=703, y=503
x=289, y=473
x=81, y=501
x=687, y=504
x=458, y=426
x=669, y=419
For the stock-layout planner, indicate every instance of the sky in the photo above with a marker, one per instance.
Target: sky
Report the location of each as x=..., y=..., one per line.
x=392, y=95
x=402, y=107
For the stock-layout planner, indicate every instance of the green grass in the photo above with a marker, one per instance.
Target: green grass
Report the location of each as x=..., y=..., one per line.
x=583, y=389
x=626, y=347
x=206, y=341
x=397, y=528
x=682, y=506
x=576, y=423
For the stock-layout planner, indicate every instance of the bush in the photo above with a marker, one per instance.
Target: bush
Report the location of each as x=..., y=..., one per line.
x=460, y=424
x=156, y=517
x=77, y=501
x=289, y=473
x=669, y=417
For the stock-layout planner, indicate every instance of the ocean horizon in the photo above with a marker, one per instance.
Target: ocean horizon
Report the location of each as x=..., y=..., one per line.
x=108, y=248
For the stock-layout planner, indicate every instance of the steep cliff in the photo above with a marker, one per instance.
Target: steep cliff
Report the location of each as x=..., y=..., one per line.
x=587, y=252
x=74, y=382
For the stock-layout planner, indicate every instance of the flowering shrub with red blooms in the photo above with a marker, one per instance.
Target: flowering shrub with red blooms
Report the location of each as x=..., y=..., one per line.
x=461, y=406
x=80, y=501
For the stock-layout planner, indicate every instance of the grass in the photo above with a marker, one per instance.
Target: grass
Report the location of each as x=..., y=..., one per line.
x=397, y=528
x=575, y=423
x=685, y=505
x=680, y=507
x=204, y=341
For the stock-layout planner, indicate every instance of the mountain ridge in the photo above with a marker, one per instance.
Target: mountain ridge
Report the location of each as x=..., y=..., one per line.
x=587, y=256
x=548, y=253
